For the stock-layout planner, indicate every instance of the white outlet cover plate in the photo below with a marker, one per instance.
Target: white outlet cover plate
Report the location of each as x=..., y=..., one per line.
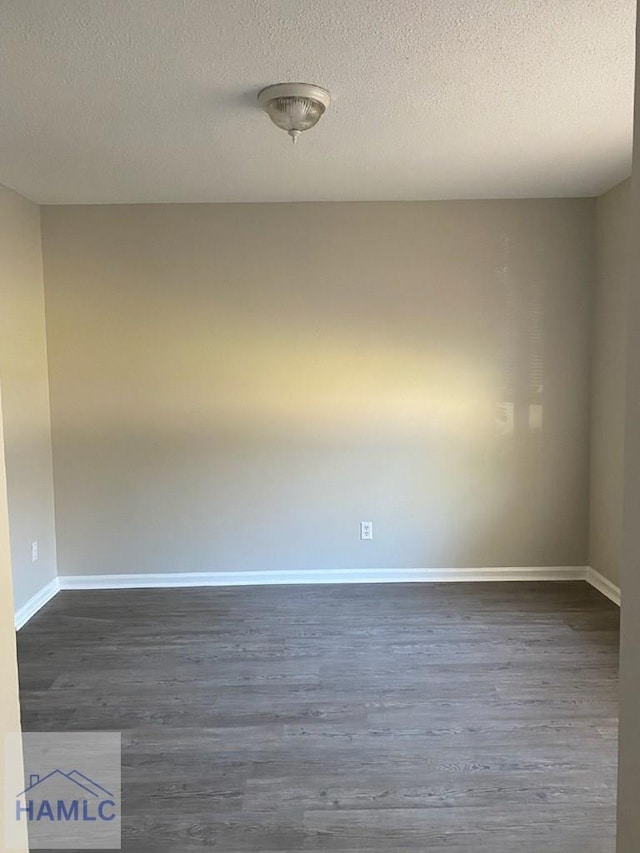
x=366, y=530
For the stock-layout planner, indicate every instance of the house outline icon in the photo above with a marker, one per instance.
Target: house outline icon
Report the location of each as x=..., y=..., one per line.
x=77, y=778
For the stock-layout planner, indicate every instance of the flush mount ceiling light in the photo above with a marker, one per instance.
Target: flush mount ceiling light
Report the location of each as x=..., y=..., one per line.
x=294, y=107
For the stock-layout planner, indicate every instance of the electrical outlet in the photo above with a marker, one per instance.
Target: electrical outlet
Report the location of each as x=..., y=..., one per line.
x=366, y=529
x=34, y=551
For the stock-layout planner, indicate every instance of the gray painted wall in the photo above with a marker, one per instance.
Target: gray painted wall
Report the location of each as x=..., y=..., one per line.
x=608, y=389
x=25, y=391
x=236, y=387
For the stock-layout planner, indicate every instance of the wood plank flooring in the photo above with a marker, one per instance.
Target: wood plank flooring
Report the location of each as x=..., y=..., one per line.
x=370, y=718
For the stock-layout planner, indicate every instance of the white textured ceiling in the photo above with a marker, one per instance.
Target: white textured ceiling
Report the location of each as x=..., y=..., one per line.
x=154, y=100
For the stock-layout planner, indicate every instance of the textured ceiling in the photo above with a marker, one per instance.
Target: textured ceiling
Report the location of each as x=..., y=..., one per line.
x=154, y=100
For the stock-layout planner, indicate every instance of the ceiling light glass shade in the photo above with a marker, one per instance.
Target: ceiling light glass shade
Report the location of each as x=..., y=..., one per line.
x=294, y=107
x=294, y=114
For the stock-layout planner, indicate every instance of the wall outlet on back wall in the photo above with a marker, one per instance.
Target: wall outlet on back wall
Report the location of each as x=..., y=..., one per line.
x=366, y=529
x=34, y=551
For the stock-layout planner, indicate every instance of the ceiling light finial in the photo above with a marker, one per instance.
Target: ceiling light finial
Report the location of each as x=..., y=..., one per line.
x=294, y=107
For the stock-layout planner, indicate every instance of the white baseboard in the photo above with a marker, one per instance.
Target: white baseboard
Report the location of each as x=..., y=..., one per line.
x=603, y=585
x=341, y=576
x=35, y=603
x=338, y=576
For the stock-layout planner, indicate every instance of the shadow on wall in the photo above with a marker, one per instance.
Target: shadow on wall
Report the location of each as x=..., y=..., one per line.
x=252, y=457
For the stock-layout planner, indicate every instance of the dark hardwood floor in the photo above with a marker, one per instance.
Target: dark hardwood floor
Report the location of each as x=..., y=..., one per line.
x=453, y=717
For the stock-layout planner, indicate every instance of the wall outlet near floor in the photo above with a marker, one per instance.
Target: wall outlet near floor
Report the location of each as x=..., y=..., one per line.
x=366, y=529
x=34, y=551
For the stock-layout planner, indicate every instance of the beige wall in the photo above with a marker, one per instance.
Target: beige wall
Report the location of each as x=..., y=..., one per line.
x=609, y=354
x=236, y=387
x=9, y=703
x=23, y=373
x=629, y=778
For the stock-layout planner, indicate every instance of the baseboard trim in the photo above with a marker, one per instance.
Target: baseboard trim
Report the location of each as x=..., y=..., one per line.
x=603, y=585
x=295, y=577
x=195, y=579
x=35, y=603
